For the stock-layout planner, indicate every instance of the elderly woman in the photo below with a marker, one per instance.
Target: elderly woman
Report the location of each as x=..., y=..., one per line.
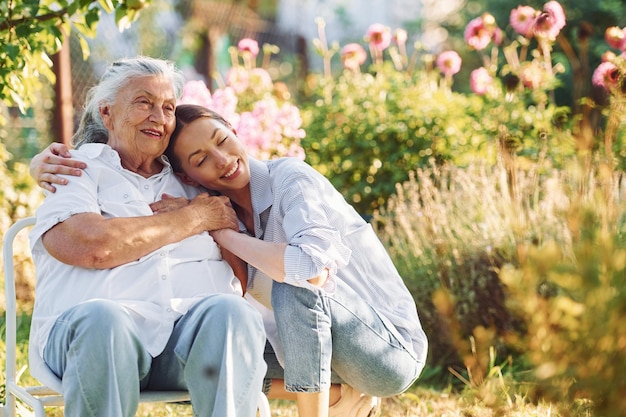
x=128, y=300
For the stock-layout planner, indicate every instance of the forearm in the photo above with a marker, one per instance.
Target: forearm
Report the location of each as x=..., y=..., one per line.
x=267, y=257
x=239, y=266
x=92, y=241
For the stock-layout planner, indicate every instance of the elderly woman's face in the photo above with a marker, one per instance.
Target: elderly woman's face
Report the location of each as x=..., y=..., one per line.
x=141, y=120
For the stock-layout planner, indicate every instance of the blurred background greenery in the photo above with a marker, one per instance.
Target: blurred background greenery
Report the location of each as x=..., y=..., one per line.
x=503, y=211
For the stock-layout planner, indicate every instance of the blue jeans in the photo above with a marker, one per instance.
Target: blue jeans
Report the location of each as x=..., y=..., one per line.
x=338, y=338
x=214, y=352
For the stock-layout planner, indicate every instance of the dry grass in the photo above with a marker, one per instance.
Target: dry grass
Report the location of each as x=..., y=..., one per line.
x=418, y=402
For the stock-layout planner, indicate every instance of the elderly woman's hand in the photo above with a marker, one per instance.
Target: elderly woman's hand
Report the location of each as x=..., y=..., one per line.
x=168, y=203
x=216, y=211
x=46, y=166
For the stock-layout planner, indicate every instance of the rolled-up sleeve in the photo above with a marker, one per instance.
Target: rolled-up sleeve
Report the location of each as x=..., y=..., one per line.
x=314, y=243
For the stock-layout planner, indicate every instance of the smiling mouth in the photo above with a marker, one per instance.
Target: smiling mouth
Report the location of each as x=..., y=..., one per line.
x=232, y=170
x=153, y=133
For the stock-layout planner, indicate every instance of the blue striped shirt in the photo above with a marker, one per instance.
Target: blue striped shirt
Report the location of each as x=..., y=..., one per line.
x=294, y=203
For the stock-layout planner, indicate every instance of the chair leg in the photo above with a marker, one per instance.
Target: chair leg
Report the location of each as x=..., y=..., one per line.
x=264, y=406
x=9, y=407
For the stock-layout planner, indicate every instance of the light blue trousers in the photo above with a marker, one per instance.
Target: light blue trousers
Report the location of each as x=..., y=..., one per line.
x=338, y=338
x=214, y=352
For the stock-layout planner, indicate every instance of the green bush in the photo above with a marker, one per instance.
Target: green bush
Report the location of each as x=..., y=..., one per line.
x=365, y=132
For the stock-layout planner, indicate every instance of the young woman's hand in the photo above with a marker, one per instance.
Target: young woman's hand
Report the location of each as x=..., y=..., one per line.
x=55, y=160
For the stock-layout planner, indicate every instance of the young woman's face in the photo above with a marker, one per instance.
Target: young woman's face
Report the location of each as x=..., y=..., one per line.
x=212, y=156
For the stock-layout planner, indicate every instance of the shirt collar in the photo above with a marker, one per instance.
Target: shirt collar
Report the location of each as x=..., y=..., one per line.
x=260, y=185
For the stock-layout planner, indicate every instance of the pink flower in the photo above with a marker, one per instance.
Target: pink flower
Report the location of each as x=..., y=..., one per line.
x=480, y=80
x=522, y=19
x=550, y=22
x=378, y=36
x=238, y=78
x=615, y=37
x=607, y=76
x=196, y=92
x=260, y=80
x=477, y=35
x=225, y=103
x=449, y=63
x=608, y=56
x=400, y=36
x=353, y=56
x=249, y=45
x=497, y=36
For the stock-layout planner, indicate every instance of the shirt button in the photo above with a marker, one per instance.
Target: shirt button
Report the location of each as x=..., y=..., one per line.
x=162, y=254
x=145, y=187
x=125, y=195
x=163, y=277
x=169, y=310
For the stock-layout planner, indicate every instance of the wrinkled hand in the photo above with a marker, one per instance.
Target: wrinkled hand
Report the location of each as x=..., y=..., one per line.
x=168, y=203
x=46, y=166
x=216, y=212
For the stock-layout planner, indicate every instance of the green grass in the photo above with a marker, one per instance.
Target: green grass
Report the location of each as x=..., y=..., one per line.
x=497, y=396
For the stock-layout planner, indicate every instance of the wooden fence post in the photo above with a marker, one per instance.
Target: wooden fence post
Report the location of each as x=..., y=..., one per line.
x=63, y=112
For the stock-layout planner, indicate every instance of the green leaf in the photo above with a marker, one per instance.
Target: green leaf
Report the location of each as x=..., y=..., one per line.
x=31, y=7
x=92, y=17
x=73, y=8
x=11, y=50
x=24, y=30
x=17, y=99
x=84, y=46
x=56, y=32
x=107, y=5
x=124, y=17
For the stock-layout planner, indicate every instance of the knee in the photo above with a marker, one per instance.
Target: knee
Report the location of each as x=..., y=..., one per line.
x=99, y=318
x=235, y=312
x=397, y=380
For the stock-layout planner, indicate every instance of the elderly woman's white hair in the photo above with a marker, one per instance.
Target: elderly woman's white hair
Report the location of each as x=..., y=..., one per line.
x=117, y=76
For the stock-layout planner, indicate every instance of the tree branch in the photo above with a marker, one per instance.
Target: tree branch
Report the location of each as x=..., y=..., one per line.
x=8, y=24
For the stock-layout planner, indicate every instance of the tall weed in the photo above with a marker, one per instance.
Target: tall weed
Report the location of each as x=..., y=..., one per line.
x=533, y=268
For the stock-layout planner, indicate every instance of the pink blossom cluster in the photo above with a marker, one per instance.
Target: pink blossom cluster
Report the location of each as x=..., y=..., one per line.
x=481, y=31
x=379, y=37
x=256, y=79
x=272, y=128
x=546, y=23
x=264, y=129
x=609, y=74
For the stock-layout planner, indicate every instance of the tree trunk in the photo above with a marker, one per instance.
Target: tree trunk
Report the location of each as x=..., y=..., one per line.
x=63, y=121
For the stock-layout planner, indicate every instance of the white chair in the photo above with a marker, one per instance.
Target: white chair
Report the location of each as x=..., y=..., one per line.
x=41, y=396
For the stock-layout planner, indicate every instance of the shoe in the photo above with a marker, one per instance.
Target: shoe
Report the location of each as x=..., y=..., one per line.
x=354, y=404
